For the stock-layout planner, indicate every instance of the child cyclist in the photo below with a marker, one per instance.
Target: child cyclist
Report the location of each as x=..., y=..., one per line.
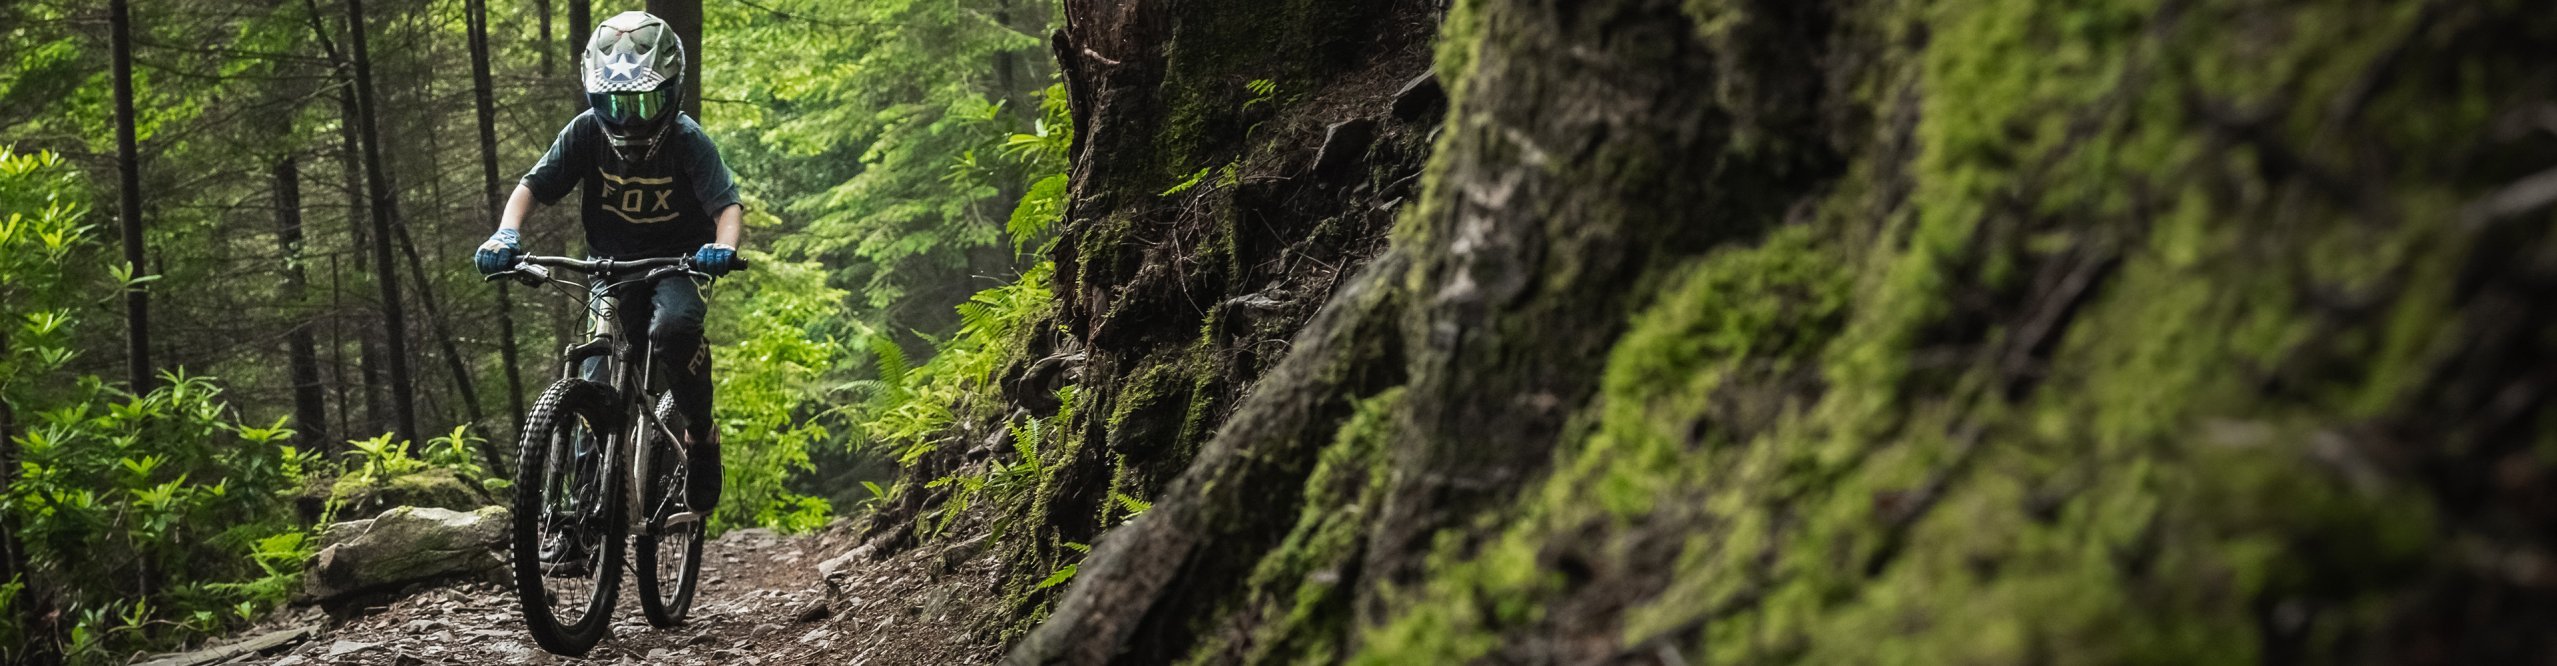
x=654, y=186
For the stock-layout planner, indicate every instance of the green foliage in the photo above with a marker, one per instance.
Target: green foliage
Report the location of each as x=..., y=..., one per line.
x=1064, y=574
x=1043, y=151
x=151, y=519
x=135, y=508
x=1187, y=183
x=908, y=410
x=879, y=127
x=773, y=362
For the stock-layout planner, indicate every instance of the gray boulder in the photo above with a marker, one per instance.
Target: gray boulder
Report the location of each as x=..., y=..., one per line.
x=405, y=545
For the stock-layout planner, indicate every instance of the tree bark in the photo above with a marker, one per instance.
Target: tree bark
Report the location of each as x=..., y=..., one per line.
x=384, y=205
x=685, y=17
x=359, y=244
x=541, y=8
x=137, y=299
x=1508, y=284
x=581, y=26
x=368, y=346
x=310, y=401
x=487, y=103
x=453, y=359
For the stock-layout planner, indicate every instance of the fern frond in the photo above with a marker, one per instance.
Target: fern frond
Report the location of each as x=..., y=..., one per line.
x=890, y=360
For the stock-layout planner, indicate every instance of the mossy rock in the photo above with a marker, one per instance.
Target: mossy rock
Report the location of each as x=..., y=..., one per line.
x=359, y=496
x=402, y=546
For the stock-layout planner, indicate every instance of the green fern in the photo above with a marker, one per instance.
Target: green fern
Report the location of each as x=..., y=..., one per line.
x=1263, y=90
x=1061, y=577
x=1025, y=441
x=1134, y=506
x=889, y=360
x=1185, y=185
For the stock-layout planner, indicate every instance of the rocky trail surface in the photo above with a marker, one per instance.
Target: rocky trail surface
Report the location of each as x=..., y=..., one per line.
x=766, y=599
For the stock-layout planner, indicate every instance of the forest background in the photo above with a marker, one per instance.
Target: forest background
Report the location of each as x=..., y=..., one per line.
x=902, y=162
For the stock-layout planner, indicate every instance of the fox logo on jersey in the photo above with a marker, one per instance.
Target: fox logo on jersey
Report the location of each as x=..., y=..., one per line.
x=639, y=200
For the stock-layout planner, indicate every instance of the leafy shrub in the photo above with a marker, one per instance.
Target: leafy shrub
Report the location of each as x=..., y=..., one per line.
x=147, y=519
x=774, y=362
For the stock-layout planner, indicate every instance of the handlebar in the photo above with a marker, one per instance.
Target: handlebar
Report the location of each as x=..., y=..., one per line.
x=611, y=266
x=533, y=269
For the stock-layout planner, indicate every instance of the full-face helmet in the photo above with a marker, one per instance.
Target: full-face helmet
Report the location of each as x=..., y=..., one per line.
x=634, y=76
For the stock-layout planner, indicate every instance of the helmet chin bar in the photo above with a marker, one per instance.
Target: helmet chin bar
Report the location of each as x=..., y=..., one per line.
x=646, y=148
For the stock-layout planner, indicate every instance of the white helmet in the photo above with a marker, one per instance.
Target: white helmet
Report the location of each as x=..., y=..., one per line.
x=634, y=77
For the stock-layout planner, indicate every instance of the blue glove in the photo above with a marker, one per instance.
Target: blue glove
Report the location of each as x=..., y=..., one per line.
x=498, y=255
x=715, y=259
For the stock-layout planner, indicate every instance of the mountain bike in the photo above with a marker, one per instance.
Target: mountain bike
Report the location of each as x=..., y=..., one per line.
x=603, y=459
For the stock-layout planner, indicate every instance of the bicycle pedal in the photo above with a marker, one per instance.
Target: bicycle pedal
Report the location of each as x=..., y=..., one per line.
x=677, y=520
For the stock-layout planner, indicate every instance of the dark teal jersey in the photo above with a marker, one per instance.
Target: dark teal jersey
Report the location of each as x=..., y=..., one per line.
x=664, y=205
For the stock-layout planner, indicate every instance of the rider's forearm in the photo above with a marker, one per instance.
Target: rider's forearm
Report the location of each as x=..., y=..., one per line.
x=518, y=207
x=732, y=226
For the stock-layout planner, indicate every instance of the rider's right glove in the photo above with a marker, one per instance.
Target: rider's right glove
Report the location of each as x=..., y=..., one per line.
x=715, y=259
x=498, y=255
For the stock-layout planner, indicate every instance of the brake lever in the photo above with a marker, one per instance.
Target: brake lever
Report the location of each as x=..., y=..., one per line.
x=528, y=274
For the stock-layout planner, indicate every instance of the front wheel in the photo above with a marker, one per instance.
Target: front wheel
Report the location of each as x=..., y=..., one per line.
x=568, y=520
x=669, y=557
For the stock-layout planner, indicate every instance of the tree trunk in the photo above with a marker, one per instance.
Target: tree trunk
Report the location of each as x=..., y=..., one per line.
x=487, y=103
x=581, y=27
x=384, y=205
x=368, y=346
x=541, y=8
x=369, y=357
x=453, y=359
x=310, y=400
x=1742, y=331
x=137, y=299
x=685, y=17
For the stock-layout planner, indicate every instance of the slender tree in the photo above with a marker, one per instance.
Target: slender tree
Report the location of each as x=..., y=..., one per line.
x=454, y=362
x=685, y=17
x=541, y=8
x=310, y=401
x=384, y=203
x=581, y=26
x=485, y=88
x=369, y=339
x=137, y=300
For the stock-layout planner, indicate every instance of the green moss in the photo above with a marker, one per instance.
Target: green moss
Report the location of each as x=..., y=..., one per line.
x=1749, y=314
x=1299, y=589
x=1859, y=428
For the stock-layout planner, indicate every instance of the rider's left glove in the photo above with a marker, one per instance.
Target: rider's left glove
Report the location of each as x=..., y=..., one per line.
x=715, y=259
x=498, y=255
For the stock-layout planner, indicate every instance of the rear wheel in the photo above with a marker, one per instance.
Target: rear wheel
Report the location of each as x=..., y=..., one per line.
x=567, y=524
x=669, y=557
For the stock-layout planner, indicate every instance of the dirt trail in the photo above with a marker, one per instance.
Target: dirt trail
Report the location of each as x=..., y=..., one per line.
x=764, y=601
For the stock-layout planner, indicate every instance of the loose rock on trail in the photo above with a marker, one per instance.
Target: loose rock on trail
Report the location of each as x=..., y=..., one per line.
x=765, y=600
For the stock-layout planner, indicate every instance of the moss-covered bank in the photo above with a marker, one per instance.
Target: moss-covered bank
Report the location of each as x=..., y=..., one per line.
x=1970, y=331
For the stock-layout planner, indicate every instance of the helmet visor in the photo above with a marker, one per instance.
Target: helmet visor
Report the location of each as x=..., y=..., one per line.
x=628, y=109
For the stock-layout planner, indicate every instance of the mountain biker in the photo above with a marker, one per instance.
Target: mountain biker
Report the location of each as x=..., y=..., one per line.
x=654, y=187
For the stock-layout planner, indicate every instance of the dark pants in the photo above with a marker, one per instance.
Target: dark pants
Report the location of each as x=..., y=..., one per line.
x=671, y=313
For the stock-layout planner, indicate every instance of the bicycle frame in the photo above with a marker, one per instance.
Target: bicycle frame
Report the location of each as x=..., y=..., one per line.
x=610, y=356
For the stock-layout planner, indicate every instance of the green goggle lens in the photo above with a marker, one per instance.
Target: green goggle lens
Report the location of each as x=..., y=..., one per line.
x=631, y=107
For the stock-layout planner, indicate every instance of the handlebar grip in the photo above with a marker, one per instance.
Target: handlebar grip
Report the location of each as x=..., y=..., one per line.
x=741, y=263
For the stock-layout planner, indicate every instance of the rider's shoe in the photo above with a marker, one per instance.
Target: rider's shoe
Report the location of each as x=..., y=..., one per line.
x=701, y=487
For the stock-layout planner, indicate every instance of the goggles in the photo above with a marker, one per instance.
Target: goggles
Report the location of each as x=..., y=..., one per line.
x=628, y=109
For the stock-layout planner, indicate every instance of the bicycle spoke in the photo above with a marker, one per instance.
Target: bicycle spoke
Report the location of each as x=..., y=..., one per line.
x=569, y=538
